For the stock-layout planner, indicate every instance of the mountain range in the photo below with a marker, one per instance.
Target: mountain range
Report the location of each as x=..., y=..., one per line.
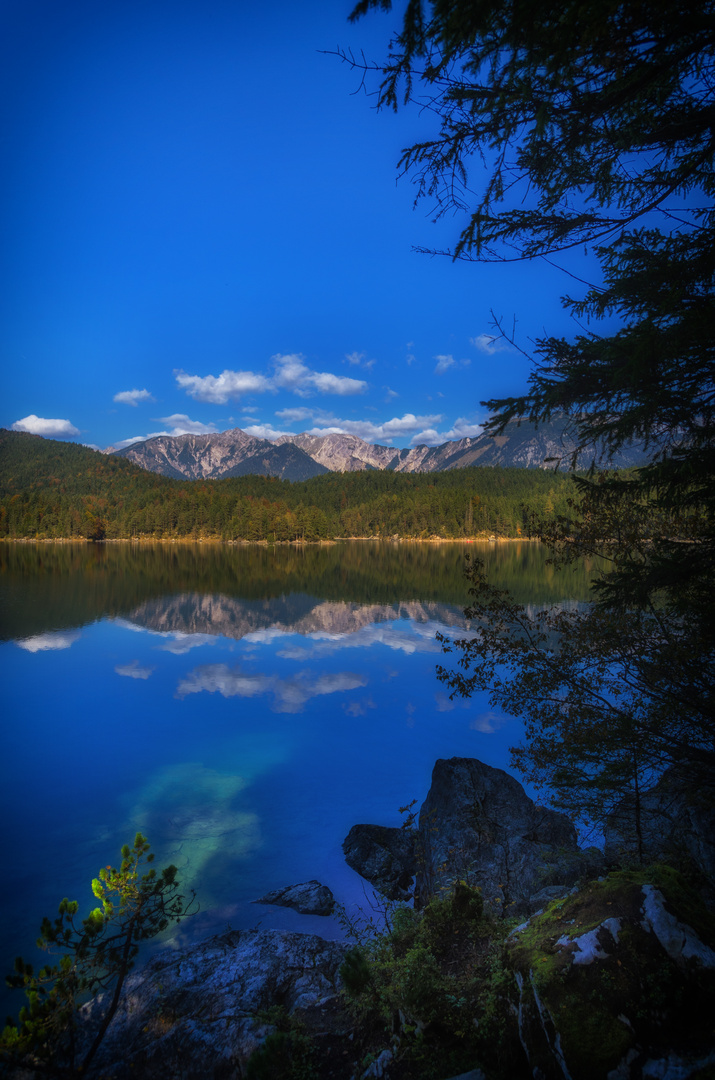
x=300, y=457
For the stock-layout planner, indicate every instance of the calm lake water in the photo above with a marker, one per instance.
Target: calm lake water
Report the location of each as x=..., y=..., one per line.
x=243, y=707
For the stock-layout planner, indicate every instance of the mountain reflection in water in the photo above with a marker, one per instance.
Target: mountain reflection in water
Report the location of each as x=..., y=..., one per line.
x=200, y=613
x=243, y=707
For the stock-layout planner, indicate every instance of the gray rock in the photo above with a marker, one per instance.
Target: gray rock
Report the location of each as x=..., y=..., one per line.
x=378, y=1067
x=194, y=1014
x=617, y=983
x=308, y=898
x=385, y=857
x=679, y=940
x=677, y=827
x=478, y=824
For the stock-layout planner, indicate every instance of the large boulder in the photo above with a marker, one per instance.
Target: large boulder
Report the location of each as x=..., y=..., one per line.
x=677, y=826
x=308, y=898
x=383, y=856
x=477, y=823
x=617, y=981
x=196, y=1014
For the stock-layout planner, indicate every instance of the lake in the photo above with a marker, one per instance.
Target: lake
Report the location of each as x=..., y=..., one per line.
x=241, y=706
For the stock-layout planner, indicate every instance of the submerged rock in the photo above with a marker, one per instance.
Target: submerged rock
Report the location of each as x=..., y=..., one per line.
x=308, y=898
x=383, y=856
x=617, y=981
x=196, y=1013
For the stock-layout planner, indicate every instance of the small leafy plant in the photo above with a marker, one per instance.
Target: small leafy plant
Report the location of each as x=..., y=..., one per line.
x=94, y=956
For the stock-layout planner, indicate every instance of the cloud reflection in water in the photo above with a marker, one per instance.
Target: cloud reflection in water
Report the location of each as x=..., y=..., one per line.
x=134, y=670
x=289, y=695
x=410, y=638
x=61, y=639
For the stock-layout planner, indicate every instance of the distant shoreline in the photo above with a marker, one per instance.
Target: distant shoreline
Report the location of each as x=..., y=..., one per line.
x=140, y=540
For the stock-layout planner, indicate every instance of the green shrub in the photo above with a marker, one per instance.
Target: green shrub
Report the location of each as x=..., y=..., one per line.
x=356, y=973
x=288, y=1055
x=436, y=980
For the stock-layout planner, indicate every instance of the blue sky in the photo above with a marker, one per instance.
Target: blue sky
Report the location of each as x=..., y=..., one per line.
x=202, y=227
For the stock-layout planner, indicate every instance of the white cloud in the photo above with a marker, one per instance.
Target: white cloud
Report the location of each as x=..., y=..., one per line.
x=39, y=425
x=444, y=363
x=428, y=437
x=489, y=344
x=443, y=703
x=289, y=695
x=291, y=373
x=127, y=625
x=132, y=397
x=266, y=431
x=293, y=416
x=134, y=670
x=397, y=427
x=461, y=429
x=217, y=389
x=325, y=423
x=392, y=635
x=358, y=708
x=179, y=643
x=464, y=429
x=487, y=723
x=51, y=641
x=175, y=641
x=120, y=444
x=264, y=637
x=357, y=359
x=404, y=425
x=180, y=424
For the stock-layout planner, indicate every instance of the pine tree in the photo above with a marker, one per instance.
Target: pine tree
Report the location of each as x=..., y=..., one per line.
x=95, y=957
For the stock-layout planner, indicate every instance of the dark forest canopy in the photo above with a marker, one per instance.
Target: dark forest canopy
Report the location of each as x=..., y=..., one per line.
x=553, y=126
x=51, y=490
x=581, y=124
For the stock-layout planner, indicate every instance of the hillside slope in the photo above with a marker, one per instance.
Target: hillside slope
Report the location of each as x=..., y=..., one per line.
x=50, y=489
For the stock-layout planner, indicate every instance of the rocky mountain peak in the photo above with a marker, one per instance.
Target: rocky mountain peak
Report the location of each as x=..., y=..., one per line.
x=300, y=457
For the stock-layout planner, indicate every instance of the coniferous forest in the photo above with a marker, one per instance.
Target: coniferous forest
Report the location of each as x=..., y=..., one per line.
x=56, y=490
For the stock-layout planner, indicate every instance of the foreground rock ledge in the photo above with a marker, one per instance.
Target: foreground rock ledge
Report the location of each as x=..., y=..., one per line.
x=617, y=981
x=192, y=1015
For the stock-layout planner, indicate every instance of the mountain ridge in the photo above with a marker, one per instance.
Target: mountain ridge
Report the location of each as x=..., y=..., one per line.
x=222, y=454
x=302, y=456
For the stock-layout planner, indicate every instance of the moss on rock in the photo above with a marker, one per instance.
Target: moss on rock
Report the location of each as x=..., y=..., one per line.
x=603, y=986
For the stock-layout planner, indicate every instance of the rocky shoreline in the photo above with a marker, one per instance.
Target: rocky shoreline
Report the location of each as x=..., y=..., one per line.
x=609, y=976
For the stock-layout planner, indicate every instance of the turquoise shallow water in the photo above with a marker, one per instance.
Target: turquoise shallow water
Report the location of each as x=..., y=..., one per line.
x=243, y=734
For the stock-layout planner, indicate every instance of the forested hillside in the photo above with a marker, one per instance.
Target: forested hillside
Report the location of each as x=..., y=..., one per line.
x=51, y=489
